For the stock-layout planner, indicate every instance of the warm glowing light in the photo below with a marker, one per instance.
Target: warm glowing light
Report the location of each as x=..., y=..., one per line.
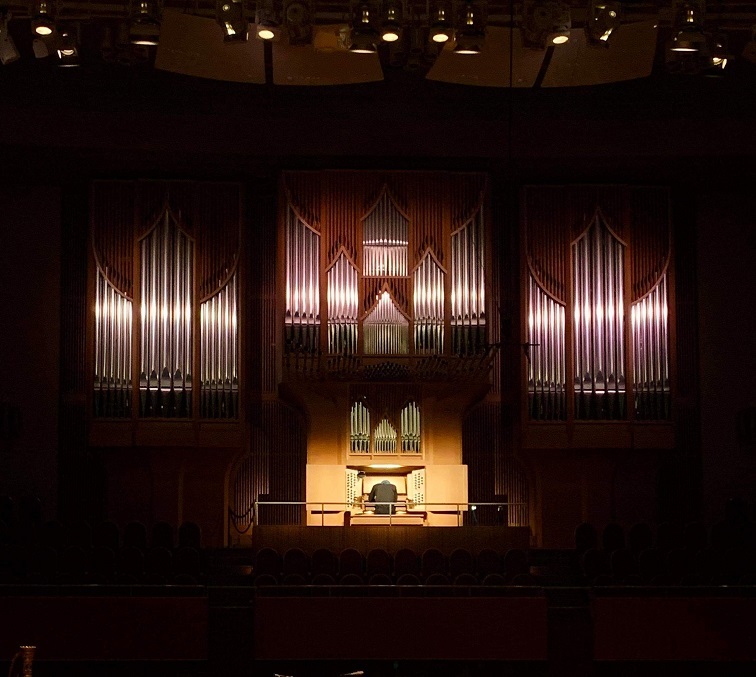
x=560, y=39
x=385, y=466
x=265, y=34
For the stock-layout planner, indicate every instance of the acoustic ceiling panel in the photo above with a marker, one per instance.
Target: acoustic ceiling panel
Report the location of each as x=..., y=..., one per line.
x=193, y=45
x=490, y=68
x=326, y=61
x=629, y=55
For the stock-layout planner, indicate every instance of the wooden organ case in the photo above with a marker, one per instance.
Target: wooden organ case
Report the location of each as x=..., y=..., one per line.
x=385, y=307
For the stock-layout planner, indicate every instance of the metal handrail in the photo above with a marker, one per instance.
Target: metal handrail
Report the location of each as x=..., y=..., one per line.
x=471, y=507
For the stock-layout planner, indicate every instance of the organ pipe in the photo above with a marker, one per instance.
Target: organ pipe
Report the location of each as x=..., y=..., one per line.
x=410, y=427
x=429, y=307
x=650, y=338
x=384, y=440
x=360, y=429
x=112, y=347
x=384, y=240
x=302, y=318
x=167, y=256
x=343, y=302
x=468, y=317
x=546, y=366
x=386, y=329
x=598, y=306
x=219, y=343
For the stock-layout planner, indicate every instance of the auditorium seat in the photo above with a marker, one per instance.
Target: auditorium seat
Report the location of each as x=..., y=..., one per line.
x=524, y=580
x=650, y=564
x=612, y=538
x=351, y=579
x=494, y=580
x=130, y=564
x=158, y=565
x=640, y=537
x=406, y=562
x=103, y=566
x=350, y=563
x=461, y=562
x=323, y=579
x=487, y=562
x=378, y=561
x=380, y=579
x=188, y=561
x=515, y=563
x=73, y=565
x=324, y=561
x=622, y=564
x=466, y=579
x=78, y=533
x=437, y=578
x=432, y=562
x=265, y=580
x=294, y=579
x=296, y=561
x=267, y=562
x=408, y=579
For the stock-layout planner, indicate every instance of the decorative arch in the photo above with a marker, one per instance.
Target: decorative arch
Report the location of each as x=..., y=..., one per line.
x=428, y=304
x=386, y=327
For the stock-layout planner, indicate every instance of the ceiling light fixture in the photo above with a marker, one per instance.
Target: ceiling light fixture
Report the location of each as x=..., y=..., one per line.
x=690, y=35
x=391, y=29
x=545, y=23
x=145, y=24
x=230, y=16
x=268, y=22
x=470, y=36
x=440, y=28
x=602, y=20
x=68, y=48
x=42, y=21
x=363, y=35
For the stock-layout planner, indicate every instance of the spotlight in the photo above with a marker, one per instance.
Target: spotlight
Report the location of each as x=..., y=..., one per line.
x=363, y=35
x=391, y=30
x=8, y=51
x=440, y=28
x=545, y=22
x=42, y=22
x=470, y=36
x=602, y=20
x=68, y=48
x=690, y=36
x=717, y=54
x=268, y=25
x=230, y=16
x=145, y=26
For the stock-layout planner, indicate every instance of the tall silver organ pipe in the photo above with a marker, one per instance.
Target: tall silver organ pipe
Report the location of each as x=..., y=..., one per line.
x=650, y=336
x=359, y=437
x=386, y=329
x=598, y=306
x=410, y=427
x=112, y=345
x=343, y=307
x=428, y=285
x=384, y=439
x=384, y=240
x=219, y=346
x=302, y=319
x=468, y=300
x=166, y=316
x=546, y=368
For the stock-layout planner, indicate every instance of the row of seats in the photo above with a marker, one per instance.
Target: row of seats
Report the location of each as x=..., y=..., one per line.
x=129, y=565
x=105, y=534
x=379, y=567
x=674, y=555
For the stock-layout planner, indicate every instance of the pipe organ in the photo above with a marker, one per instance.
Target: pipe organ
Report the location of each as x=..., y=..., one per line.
x=468, y=302
x=591, y=253
x=302, y=322
x=112, y=348
x=343, y=307
x=379, y=243
x=599, y=331
x=383, y=439
x=165, y=356
x=181, y=246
